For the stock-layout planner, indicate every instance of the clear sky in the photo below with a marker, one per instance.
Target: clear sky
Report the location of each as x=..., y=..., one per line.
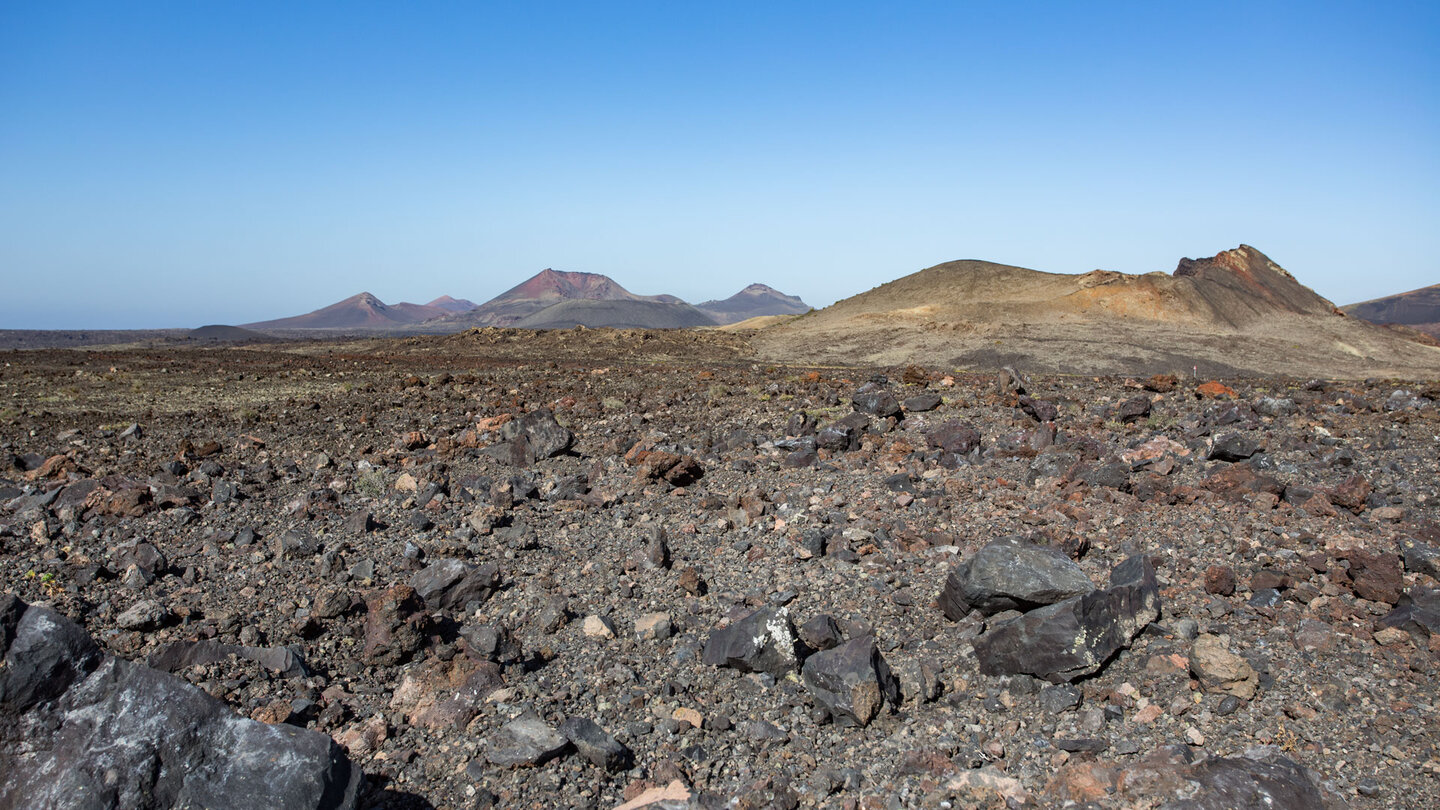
x=183, y=163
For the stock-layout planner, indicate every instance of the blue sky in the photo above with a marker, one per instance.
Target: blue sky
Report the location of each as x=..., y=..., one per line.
x=175, y=164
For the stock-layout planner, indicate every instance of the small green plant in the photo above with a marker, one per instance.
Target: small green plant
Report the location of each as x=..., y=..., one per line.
x=371, y=484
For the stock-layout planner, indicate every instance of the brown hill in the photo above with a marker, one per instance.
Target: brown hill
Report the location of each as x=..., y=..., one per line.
x=544, y=289
x=1234, y=312
x=449, y=304
x=363, y=311
x=752, y=302
x=1417, y=309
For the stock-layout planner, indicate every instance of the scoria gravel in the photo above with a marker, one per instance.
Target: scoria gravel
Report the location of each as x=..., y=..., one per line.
x=490, y=573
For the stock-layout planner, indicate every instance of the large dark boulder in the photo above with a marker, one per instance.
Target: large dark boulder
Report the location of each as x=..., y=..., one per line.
x=764, y=641
x=80, y=729
x=1246, y=784
x=530, y=438
x=851, y=681
x=1011, y=573
x=878, y=403
x=452, y=584
x=1074, y=638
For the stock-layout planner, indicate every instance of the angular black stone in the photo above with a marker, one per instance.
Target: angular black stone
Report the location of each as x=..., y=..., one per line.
x=1011, y=573
x=821, y=632
x=954, y=437
x=596, y=745
x=283, y=661
x=525, y=741
x=879, y=403
x=852, y=681
x=1240, y=784
x=1232, y=447
x=764, y=641
x=922, y=402
x=452, y=584
x=531, y=438
x=1074, y=638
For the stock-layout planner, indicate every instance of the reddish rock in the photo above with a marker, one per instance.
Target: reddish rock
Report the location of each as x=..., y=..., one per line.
x=394, y=626
x=1220, y=580
x=1214, y=390
x=1376, y=577
x=1351, y=493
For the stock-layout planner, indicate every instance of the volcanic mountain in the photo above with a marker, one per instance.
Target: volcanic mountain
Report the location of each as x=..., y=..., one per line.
x=449, y=304
x=1417, y=309
x=363, y=311
x=1235, y=312
x=752, y=302
x=551, y=287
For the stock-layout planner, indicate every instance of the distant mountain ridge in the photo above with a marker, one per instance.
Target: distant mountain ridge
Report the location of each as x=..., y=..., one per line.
x=360, y=311
x=1417, y=309
x=449, y=304
x=754, y=301
x=544, y=289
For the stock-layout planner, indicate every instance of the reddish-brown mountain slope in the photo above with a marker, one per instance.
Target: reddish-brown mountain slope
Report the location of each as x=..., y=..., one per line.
x=544, y=289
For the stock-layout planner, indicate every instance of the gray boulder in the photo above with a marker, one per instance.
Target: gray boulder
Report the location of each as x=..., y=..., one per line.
x=452, y=584
x=1074, y=638
x=1011, y=574
x=81, y=729
x=531, y=438
x=526, y=741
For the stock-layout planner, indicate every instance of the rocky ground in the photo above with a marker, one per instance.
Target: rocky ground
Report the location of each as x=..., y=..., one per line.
x=583, y=574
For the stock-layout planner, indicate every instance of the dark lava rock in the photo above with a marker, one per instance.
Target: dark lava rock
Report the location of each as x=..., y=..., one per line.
x=1011, y=573
x=102, y=732
x=921, y=403
x=821, y=633
x=283, y=661
x=1247, y=784
x=954, y=437
x=1418, y=613
x=880, y=404
x=1038, y=409
x=596, y=745
x=1073, y=638
x=764, y=641
x=525, y=741
x=530, y=438
x=1421, y=558
x=1132, y=410
x=1232, y=447
x=452, y=584
x=851, y=681
x=844, y=433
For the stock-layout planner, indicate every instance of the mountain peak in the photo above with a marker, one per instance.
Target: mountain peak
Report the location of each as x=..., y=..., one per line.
x=752, y=302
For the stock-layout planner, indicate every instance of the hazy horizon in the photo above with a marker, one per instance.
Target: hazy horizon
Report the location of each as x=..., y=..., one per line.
x=177, y=164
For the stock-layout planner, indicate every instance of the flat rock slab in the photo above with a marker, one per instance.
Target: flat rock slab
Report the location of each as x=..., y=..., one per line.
x=1074, y=638
x=84, y=729
x=1010, y=574
x=283, y=661
x=526, y=741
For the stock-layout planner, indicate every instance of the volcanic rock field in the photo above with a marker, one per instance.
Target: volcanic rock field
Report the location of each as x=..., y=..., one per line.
x=602, y=569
